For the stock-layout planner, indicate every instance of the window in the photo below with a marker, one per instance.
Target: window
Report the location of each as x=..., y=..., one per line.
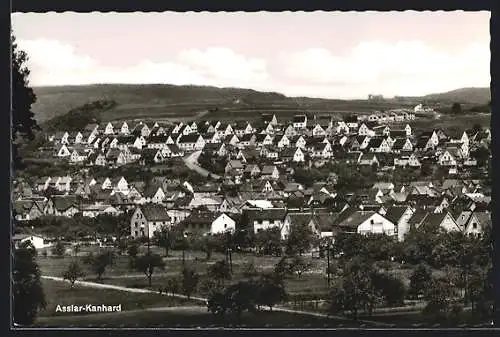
x=474, y=225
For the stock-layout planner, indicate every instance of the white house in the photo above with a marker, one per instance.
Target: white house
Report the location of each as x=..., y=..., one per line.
x=368, y=222
x=109, y=130
x=63, y=152
x=300, y=121
x=37, y=241
x=298, y=156
x=147, y=219
x=223, y=223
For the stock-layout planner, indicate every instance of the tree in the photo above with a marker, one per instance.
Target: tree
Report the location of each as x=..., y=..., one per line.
x=99, y=263
x=481, y=154
x=73, y=273
x=220, y=271
x=189, y=281
x=300, y=239
x=298, y=265
x=456, y=109
x=58, y=249
x=392, y=289
x=164, y=238
x=172, y=286
x=438, y=296
x=132, y=251
x=23, y=121
x=147, y=264
x=357, y=290
x=27, y=289
x=271, y=290
x=250, y=270
x=420, y=280
x=268, y=241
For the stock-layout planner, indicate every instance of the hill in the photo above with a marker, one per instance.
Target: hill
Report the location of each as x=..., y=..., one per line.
x=174, y=103
x=463, y=95
x=169, y=102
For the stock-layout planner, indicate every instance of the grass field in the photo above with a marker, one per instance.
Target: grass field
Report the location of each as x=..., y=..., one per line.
x=60, y=293
x=186, y=102
x=312, y=282
x=189, y=319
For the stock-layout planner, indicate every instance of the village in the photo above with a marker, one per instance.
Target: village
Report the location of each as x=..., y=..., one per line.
x=255, y=185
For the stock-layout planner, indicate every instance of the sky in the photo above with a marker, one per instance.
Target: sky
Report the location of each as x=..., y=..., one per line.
x=316, y=54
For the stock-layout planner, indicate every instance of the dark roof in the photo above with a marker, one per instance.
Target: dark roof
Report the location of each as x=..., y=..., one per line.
x=155, y=212
x=417, y=217
x=394, y=213
x=375, y=142
x=299, y=118
x=264, y=214
x=355, y=219
x=192, y=138
x=62, y=203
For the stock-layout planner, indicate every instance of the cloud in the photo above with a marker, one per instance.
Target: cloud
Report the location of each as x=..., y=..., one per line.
x=56, y=63
x=409, y=66
x=403, y=68
x=223, y=63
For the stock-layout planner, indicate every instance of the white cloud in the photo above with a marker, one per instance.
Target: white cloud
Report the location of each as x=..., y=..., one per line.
x=408, y=66
x=55, y=63
x=223, y=63
x=404, y=68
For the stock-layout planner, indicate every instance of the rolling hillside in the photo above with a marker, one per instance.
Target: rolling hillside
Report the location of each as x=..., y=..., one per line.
x=169, y=102
x=463, y=95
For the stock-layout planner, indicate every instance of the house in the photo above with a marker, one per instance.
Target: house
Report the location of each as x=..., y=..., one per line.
x=192, y=142
x=269, y=119
x=93, y=211
x=300, y=121
x=447, y=159
x=154, y=194
x=109, y=130
x=402, y=145
x=37, y=241
x=258, y=219
x=368, y=159
x=270, y=172
x=77, y=156
x=366, y=222
x=215, y=149
x=147, y=219
x=124, y=129
x=66, y=206
x=290, y=131
x=252, y=170
x=234, y=166
x=433, y=221
x=222, y=224
x=283, y=142
x=379, y=145
x=400, y=216
x=318, y=130
x=63, y=151
x=263, y=140
x=364, y=130
x=477, y=223
x=27, y=209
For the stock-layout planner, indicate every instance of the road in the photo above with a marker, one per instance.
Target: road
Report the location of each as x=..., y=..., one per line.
x=204, y=300
x=191, y=162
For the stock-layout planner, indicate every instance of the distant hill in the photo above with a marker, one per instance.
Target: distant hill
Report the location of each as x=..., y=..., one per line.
x=175, y=103
x=135, y=100
x=463, y=95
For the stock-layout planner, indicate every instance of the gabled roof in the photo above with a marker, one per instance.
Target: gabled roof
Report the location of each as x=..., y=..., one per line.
x=354, y=219
x=191, y=138
x=394, y=213
x=264, y=214
x=155, y=212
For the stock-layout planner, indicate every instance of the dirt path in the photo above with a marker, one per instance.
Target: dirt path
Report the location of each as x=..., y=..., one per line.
x=204, y=300
x=191, y=162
